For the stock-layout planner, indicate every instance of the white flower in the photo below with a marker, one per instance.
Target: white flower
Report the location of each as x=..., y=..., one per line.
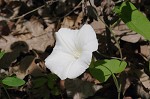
x=72, y=53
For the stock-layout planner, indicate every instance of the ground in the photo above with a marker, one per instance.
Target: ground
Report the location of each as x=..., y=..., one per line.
x=27, y=36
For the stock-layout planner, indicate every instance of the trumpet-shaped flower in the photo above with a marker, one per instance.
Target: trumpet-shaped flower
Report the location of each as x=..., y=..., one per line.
x=72, y=53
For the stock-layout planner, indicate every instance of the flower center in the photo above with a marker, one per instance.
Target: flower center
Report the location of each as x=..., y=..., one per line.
x=76, y=54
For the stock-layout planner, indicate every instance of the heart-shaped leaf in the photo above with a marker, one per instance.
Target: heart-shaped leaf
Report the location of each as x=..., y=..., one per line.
x=134, y=19
x=13, y=81
x=105, y=68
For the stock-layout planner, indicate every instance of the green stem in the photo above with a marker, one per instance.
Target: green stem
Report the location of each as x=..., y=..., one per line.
x=6, y=92
x=118, y=46
x=117, y=85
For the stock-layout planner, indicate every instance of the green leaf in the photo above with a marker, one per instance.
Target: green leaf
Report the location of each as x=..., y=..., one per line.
x=39, y=82
x=52, y=80
x=134, y=19
x=105, y=68
x=13, y=81
x=99, y=74
x=117, y=10
x=55, y=91
x=2, y=54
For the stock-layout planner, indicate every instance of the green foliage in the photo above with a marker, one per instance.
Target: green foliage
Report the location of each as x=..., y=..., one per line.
x=39, y=82
x=51, y=80
x=55, y=91
x=13, y=81
x=2, y=54
x=134, y=19
x=48, y=82
x=103, y=69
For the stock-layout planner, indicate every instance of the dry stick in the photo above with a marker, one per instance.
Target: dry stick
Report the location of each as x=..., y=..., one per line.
x=71, y=10
x=108, y=56
x=57, y=19
x=19, y=17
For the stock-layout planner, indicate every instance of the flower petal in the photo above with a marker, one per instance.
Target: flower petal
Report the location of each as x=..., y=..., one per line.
x=72, y=53
x=80, y=65
x=65, y=40
x=58, y=63
x=87, y=38
x=66, y=66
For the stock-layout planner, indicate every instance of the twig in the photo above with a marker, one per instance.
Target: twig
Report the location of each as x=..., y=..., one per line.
x=108, y=56
x=72, y=10
x=57, y=19
x=19, y=17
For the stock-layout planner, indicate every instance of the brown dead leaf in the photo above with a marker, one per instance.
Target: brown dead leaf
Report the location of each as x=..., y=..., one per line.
x=15, y=12
x=20, y=68
x=10, y=56
x=40, y=43
x=81, y=89
x=122, y=31
x=98, y=26
x=122, y=26
x=145, y=51
x=79, y=20
x=29, y=64
x=13, y=8
x=135, y=80
x=88, y=77
x=34, y=26
x=20, y=28
x=127, y=97
x=144, y=78
x=142, y=92
x=108, y=6
x=132, y=37
x=35, y=40
x=6, y=42
x=126, y=79
x=68, y=22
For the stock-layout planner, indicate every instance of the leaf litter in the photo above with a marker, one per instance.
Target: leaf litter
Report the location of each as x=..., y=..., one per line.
x=27, y=37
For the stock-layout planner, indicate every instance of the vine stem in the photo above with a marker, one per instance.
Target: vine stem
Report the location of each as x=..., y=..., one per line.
x=118, y=46
x=6, y=92
x=118, y=86
x=100, y=20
